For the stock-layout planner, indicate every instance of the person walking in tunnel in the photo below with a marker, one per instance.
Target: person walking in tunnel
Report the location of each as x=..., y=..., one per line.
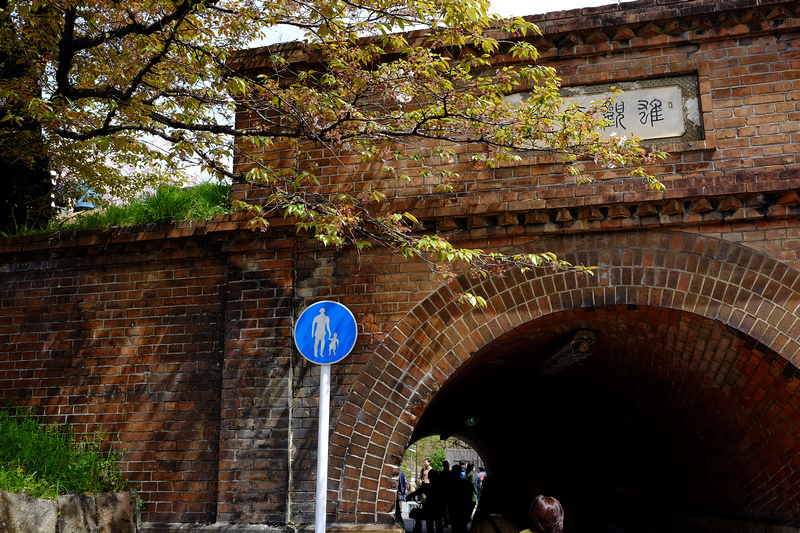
x=469, y=476
x=402, y=487
x=423, y=473
x=460, y=500
x=546, y=516
x=446, y=482
x=402, y=490
x=479, y=477
x=431, y=509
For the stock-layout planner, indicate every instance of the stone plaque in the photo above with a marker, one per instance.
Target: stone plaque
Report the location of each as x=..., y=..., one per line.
x=658, y=109
x=652, y=113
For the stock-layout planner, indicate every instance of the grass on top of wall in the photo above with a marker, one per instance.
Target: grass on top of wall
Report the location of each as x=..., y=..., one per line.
x=169, y=203
x=48, y=461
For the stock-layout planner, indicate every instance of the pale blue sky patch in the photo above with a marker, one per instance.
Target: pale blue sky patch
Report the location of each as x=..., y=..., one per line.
x=507, y=8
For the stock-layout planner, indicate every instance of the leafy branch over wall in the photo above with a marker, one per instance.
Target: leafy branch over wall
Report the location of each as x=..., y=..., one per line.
x=123, y=95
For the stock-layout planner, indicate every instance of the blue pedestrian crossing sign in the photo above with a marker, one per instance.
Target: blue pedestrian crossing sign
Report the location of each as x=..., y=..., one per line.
x=325, y=332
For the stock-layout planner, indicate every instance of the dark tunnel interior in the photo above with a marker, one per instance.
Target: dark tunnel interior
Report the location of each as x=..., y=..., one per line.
x=628, y=407
x=570, y=435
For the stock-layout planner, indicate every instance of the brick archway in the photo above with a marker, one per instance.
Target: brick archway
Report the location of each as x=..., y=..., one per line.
x=664, y=275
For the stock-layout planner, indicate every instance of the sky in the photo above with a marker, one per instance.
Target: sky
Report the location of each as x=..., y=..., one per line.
x=507, y=8
x=510, y=8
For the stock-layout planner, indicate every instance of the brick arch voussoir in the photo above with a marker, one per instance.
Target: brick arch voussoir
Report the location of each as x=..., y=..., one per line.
x=379, y=415
x=742, y=288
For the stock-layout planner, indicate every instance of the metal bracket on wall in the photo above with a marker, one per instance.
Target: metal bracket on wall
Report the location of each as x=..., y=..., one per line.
x=579, y=348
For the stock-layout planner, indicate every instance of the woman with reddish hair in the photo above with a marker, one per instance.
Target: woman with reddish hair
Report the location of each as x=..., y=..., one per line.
x=547, y=515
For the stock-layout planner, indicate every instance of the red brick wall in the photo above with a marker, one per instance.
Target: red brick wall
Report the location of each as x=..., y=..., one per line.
x=221, y=425
x=257, y=382
x=128, y=339
x=178, y=340
x=175, y=343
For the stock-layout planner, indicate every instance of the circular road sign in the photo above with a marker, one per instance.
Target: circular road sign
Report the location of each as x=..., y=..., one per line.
x=325, y=332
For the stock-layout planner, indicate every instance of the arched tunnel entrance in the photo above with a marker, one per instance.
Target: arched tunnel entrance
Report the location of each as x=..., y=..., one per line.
x=666, y=411
x=691, y=390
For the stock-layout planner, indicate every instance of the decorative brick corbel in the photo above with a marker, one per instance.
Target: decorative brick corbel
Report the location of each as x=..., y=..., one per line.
x=672, y=207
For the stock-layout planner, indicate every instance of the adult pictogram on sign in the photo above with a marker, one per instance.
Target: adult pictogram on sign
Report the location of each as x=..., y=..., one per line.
x=319, y=327
x=325, y=332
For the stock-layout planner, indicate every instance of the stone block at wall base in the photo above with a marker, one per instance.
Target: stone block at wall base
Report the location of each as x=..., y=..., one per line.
x=77, y=514
x=22, y=514
x=115, y=514
x=72, y=513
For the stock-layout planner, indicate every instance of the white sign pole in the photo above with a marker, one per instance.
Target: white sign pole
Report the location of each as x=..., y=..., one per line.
x=324, y=333
x=322, y=446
